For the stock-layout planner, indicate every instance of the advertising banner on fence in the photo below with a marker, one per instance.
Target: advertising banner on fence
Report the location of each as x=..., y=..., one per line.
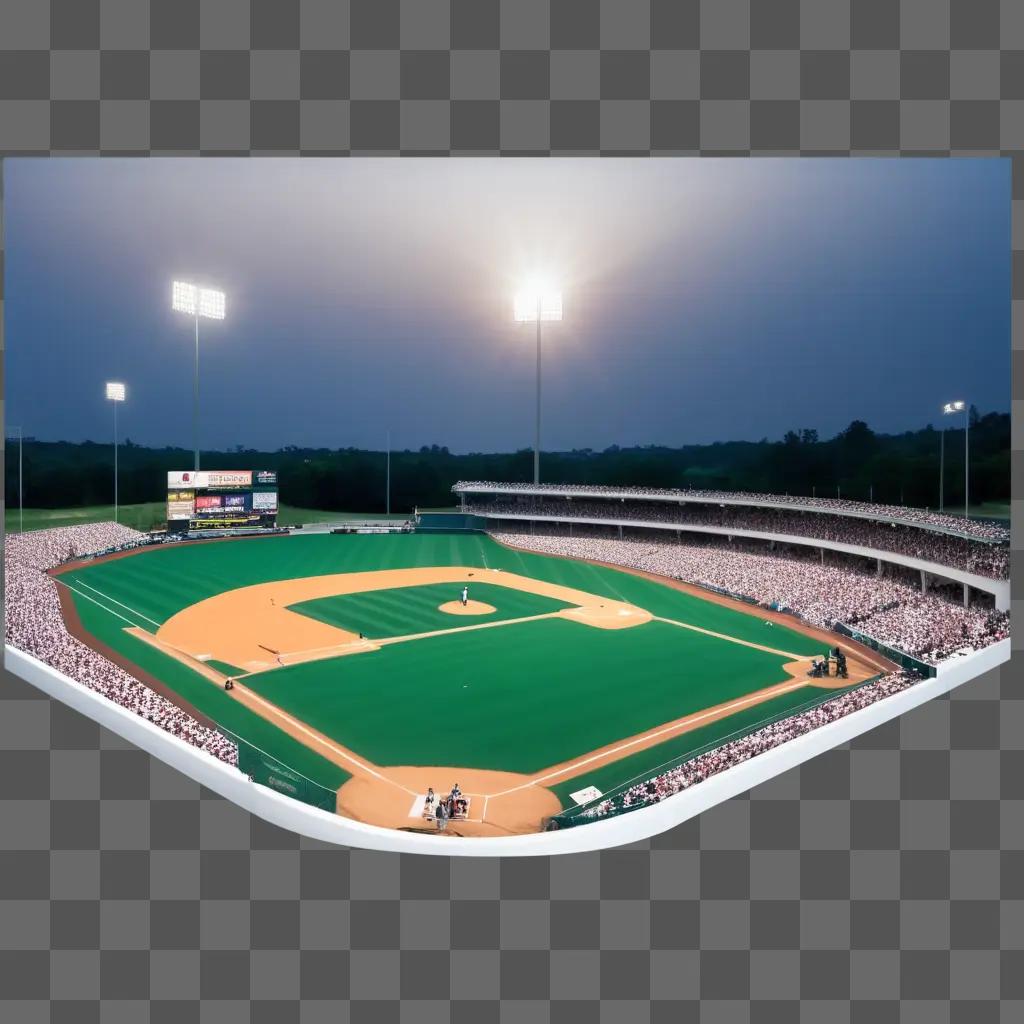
x=266, y=476
x=207, y=479
x=235, y=501
x=179, y=504
x=208, y=501
x=265, y=501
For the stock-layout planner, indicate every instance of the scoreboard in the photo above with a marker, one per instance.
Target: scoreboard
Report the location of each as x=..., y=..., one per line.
x=221, y=499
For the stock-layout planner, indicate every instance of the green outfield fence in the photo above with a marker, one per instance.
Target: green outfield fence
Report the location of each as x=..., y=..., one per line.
x=268, y=771
x=922, y=668
x=447, y=522
x=575, y=815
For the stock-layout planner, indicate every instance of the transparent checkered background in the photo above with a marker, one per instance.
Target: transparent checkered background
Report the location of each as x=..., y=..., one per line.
x=883, y=882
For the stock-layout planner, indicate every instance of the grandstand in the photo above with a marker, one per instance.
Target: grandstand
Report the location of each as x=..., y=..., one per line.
x=941, y=550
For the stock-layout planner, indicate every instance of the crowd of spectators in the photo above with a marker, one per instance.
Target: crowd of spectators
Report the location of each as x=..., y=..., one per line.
x=974, y=528
x=985, y=559
x=34, y=624
x=890, y=608
x=703, y=766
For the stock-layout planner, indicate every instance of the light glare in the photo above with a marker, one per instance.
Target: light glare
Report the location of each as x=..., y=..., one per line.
x=187, y=298
x=537, y=298
x=950, y=407
x=115, y=391
x=183, y=297
x=211, y=303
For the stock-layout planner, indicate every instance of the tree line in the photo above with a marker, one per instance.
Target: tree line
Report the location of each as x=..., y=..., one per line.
x=857, y=463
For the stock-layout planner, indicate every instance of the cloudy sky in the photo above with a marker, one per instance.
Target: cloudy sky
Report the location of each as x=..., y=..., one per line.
x=703, y=299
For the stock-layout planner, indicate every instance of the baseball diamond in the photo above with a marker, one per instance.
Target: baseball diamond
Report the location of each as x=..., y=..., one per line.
x=358, y=662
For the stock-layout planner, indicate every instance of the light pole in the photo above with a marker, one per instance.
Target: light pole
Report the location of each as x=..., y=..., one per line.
x=942, y=466
x=949, y=409
x=197, y=302
x=115, y=395
x=535, y=303
x=388, y=478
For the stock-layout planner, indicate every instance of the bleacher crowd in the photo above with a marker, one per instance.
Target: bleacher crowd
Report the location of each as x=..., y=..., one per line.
x=703, y=766
x=34, y=624
x=982, y=558
x=928, y=626
x=974, y=529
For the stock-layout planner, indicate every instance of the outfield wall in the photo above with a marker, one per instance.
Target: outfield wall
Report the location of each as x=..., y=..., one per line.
x=627, y=828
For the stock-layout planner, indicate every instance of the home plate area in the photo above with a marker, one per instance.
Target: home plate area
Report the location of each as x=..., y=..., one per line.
x=456, y=806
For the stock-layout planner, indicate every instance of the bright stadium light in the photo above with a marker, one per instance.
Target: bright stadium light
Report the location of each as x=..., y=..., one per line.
x=183, y=298
x=949, y=409
x=115, y=395
x=197, y=302
x=537, y=301
x=211, y=303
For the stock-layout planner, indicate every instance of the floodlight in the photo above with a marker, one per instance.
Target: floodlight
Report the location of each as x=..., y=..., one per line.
x=115, y=391
x=947, y=409
x=183, y=297
x=187, y=298
x=211, y=303
x=537, y=301
x=197, y=302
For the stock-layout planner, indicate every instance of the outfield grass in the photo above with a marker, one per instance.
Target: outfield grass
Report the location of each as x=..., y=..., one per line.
x=519, y=697
x=402, y=611
x=645, y=764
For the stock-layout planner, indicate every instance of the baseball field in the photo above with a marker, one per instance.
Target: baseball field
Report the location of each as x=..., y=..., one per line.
x=356, y=664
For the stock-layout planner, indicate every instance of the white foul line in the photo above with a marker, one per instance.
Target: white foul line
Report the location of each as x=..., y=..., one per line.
x=109, y=611
x=645, y=737
x=732, y=639
x=107, y=597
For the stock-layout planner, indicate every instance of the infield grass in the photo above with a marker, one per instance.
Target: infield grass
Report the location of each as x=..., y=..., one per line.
x=402, y=611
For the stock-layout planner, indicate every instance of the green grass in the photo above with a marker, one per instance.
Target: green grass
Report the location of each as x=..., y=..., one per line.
x=290, y=516
x=208, y=698
x=645, y=764
x=989, y=510
x=224, y=668
x=139, y=517
x=405, y=610
x=519, y=697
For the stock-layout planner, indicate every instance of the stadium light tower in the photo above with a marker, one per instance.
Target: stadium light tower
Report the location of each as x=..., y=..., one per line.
x=536, y=302
x=115, y=395
x=949, y=409
x=197, y=302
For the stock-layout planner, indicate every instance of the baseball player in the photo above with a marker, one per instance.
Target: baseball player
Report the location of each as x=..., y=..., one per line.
x=465, y=596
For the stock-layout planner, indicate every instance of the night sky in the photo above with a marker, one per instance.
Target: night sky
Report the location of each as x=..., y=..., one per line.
x=704, y=299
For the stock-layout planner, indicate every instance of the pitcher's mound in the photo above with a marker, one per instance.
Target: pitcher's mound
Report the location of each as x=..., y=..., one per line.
x=469, y=608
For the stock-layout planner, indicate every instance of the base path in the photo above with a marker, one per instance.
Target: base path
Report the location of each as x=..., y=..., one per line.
x=254, y=628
